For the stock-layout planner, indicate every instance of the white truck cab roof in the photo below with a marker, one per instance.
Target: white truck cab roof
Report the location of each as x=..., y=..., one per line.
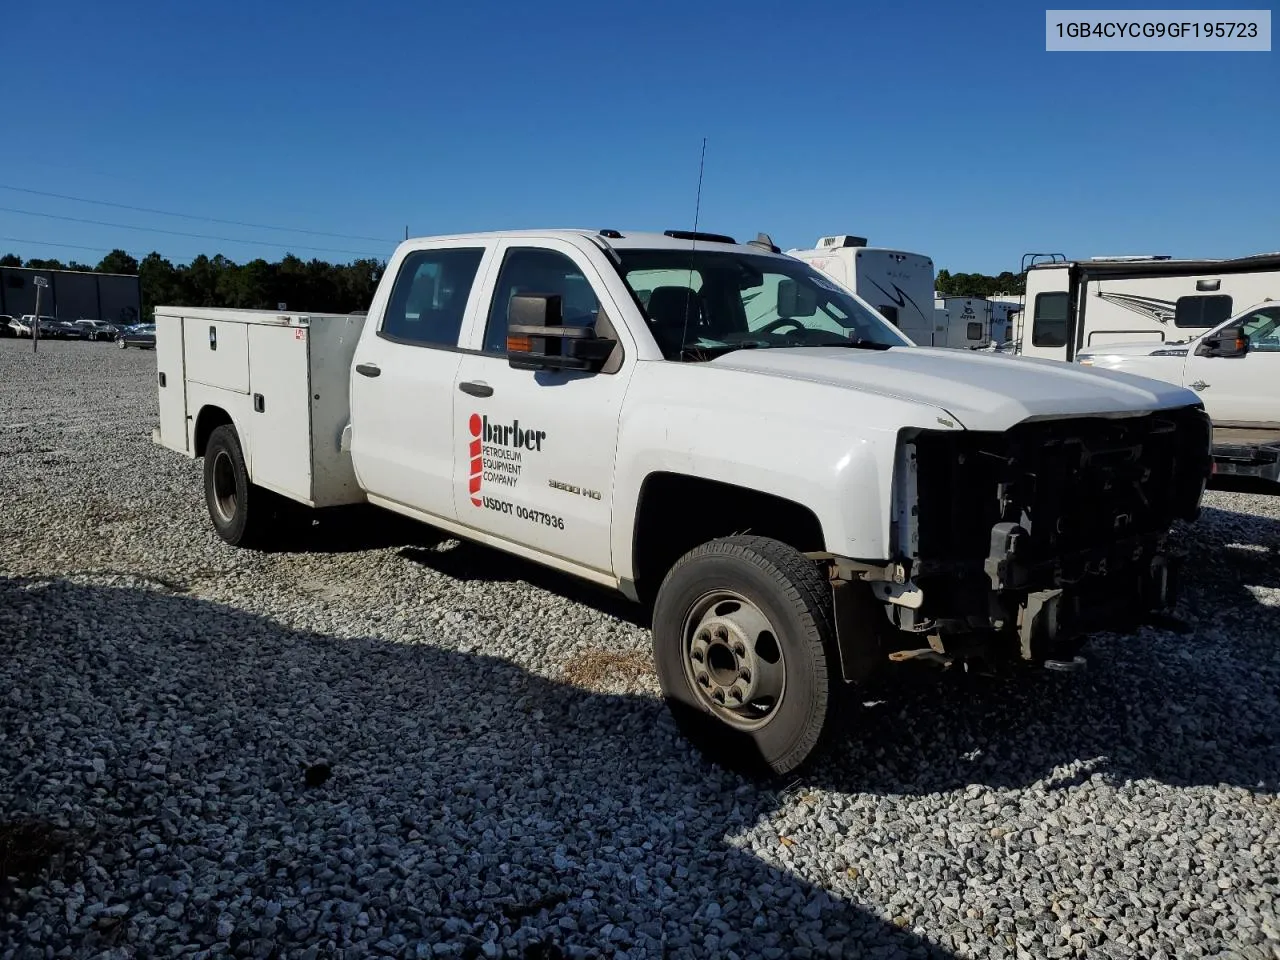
x=618, y=239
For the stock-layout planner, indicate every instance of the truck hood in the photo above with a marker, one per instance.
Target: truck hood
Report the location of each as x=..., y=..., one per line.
x=982, y=391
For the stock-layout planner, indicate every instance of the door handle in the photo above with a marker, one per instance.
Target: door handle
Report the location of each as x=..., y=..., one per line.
x=368, y=369
x=475, y=388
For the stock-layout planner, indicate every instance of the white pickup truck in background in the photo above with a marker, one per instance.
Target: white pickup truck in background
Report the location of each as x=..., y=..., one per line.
x=717, y=429
x=1235, y=368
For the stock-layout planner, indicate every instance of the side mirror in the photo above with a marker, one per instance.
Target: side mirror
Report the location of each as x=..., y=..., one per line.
x=538, y=340
x=1227, y=342
x=795, y=300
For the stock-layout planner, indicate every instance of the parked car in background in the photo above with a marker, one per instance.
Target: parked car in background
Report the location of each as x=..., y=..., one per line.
x=7, y=329
x=21, y=326
x=96, y=330
x=50, y=328
x=1235, y=368
x=142, y=336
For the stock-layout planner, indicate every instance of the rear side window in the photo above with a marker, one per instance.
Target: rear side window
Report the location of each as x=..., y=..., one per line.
x=1049, y=323
x=430, y=295
x=1201, y=311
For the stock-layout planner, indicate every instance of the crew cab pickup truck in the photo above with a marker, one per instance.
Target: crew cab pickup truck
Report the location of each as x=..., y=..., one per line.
x=1235, y=368
x=718, y=430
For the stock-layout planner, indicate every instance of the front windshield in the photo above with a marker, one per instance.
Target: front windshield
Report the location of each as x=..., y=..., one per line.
x=704, y=303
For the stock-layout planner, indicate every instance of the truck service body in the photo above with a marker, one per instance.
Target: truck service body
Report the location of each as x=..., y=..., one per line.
x=719, y=430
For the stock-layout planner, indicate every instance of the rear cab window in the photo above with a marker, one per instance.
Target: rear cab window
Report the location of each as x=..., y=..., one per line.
x=428, y=302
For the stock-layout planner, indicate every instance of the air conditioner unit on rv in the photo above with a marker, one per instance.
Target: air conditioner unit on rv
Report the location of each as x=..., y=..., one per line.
x=843, y=240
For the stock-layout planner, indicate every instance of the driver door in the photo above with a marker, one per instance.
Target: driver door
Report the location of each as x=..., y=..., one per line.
x=534, y=449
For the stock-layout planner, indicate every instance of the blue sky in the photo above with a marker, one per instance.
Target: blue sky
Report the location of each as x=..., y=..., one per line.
x=940, y=128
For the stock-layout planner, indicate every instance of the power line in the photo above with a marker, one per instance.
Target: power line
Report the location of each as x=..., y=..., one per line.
x=182, y=233
x=192, y=216
x=69, y=246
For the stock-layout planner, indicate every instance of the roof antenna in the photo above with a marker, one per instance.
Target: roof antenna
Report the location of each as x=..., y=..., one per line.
x=697, y=210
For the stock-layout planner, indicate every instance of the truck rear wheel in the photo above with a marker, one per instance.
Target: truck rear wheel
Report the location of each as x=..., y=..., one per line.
x=243, y=514
x=746, y=655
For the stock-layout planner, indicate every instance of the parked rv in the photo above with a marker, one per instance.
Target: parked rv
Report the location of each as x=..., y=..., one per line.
x=897, y=283
x=965, y=322
x=1078, y=305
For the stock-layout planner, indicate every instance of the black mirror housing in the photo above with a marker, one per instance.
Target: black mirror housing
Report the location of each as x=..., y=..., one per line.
x=795, y=300
x=538, y=340
x=1227, y=342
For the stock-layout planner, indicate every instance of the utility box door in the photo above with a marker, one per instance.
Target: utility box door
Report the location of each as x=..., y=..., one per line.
x=172, y=383
x=333, y=346
x=217, y=353
x=281, y=417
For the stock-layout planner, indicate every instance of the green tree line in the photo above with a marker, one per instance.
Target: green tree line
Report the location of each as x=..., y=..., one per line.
x=218, y=281
x=339, y=288
x=979, y=284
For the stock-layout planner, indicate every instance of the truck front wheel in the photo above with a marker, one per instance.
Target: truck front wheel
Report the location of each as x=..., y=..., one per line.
x=746, y=655
x=243, y=514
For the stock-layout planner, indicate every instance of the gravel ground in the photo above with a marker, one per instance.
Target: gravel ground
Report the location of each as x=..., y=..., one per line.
x=387, y=745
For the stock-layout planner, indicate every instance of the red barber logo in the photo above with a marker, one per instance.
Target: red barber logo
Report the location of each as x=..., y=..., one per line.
x=477, y=462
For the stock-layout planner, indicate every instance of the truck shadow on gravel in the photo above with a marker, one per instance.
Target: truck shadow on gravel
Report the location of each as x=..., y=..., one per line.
x=465, y=561
x=466, y=801
x=457, y=799
x=1165, y=704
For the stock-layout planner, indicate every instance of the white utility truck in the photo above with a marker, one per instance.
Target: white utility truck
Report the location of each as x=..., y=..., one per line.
x=1072, y=306
x=804, y=496
x=897, y=283
x=1236, y=370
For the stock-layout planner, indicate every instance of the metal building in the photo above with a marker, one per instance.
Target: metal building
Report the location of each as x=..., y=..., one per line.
x=72, y=295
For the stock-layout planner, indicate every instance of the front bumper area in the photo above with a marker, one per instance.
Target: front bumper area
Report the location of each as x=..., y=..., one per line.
x=1019, y=544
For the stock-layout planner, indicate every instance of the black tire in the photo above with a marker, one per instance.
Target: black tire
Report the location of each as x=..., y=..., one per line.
x=243, y=514
x=795, y=600
x=124, y=344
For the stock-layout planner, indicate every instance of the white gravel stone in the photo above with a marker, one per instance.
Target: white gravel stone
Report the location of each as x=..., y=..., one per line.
x=504, y=781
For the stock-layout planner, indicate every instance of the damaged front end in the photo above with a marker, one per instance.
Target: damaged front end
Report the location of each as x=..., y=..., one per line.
x=1017, y=544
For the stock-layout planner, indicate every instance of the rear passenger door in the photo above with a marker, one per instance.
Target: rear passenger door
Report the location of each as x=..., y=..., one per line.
x=403, y=376
x=535, y=449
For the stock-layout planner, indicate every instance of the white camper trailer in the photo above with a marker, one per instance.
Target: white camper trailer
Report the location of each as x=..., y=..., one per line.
x=1004, y=314
x=969, y=322
x=1071, y=306
x=897, y=283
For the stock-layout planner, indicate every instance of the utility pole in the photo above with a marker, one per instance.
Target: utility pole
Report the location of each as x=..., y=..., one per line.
x=41, y=283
